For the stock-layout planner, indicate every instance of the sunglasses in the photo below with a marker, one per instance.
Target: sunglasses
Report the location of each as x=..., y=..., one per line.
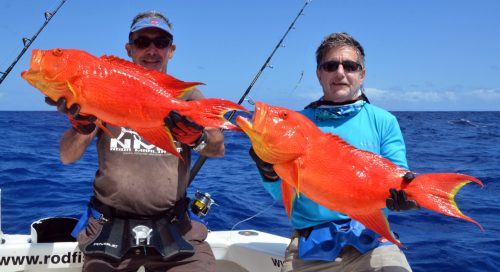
x=144, y=42
x=348, y=65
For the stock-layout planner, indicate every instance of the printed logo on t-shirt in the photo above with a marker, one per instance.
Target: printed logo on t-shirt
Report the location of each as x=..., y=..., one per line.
x=130, y=141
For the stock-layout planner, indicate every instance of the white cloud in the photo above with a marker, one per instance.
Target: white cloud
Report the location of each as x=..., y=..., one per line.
x=487, y=94
x=453, y=99
x=479, y=99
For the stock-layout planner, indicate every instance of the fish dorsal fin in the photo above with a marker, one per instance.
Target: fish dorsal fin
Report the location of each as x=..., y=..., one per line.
x=175, y=87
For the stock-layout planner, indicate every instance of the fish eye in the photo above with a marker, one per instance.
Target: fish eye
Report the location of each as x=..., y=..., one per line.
x=283, y=114
x=57, y=52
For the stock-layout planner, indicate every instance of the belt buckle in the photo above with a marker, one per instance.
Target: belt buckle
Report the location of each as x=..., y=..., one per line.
x=142, y=235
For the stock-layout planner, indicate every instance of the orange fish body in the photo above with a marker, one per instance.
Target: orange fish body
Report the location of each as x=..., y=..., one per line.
x=122, y=93
x=339, y=176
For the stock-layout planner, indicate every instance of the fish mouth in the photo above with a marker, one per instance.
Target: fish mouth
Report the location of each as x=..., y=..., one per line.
x=256, y=130
x=253, y=128
x=34, y=72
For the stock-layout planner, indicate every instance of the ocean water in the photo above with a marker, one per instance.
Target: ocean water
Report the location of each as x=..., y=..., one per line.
x=35, y=184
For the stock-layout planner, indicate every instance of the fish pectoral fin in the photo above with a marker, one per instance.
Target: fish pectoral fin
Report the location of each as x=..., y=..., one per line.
x=297, y=172
x=288, y=195
x=160, y=137
x=100, y=124
x=71, y=89
x=377, y=222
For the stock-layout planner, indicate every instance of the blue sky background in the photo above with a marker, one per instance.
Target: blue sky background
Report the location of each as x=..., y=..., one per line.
x=421, y=55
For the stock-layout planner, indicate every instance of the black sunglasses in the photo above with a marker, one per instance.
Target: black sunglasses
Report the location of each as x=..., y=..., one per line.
x=144, y=42
x=348, y=65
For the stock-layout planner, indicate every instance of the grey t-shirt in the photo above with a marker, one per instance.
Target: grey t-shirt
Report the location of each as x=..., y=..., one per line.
x=138, y=177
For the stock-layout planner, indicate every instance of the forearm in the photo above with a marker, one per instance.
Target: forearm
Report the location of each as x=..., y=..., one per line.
x=73, y=145
x=215, y=143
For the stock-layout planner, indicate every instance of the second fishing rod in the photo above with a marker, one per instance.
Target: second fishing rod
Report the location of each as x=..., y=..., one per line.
x=201, y=160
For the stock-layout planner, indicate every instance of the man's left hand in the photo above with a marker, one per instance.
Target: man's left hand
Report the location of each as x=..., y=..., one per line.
x=399, y=200
x=183, y=129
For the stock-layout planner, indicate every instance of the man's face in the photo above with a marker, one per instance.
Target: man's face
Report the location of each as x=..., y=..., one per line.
x=151, y=57
x=340, y=82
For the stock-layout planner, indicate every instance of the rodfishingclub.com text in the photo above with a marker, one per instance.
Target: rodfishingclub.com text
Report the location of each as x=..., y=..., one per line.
x=72, y=257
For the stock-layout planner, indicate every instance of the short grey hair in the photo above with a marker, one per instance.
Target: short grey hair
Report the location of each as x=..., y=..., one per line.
x=339, y=39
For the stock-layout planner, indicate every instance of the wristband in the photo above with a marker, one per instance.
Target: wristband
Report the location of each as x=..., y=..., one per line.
x=201, y=143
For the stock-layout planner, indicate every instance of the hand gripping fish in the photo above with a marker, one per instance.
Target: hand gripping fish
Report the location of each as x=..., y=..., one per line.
x=339, y=176
x=122, y=93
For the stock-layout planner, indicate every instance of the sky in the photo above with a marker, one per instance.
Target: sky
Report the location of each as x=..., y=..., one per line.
x=426, y=55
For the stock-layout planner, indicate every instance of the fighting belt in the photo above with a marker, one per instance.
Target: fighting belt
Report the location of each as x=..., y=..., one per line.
x=122, y=232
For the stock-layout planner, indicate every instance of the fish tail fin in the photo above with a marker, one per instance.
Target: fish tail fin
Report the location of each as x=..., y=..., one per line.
x=377, y=222
x=210, y=112
x=436, y=191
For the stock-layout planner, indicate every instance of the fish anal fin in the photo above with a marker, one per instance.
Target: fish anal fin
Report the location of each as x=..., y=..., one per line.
x=160, y=137
x=174, y=86
x=288, y=195
x=377, y=222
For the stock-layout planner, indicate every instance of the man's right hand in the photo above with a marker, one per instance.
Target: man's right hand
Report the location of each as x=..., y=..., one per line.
x=83, y=124
x=266, y=169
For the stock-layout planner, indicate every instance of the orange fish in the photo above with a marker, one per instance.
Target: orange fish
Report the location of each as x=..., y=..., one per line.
x=339, y=176
x=122, y=93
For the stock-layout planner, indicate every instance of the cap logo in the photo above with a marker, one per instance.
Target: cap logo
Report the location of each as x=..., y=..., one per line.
x=154, y=22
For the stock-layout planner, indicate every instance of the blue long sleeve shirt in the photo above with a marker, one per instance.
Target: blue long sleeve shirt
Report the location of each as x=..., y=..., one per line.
x=372, y=129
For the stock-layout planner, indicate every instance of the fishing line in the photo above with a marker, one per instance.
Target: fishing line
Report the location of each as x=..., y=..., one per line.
x=201, y=159
x=298, y=82
x=253, y=216
x=27, y=42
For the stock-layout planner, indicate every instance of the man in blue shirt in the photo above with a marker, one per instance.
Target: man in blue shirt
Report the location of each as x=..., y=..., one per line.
x=326, y=240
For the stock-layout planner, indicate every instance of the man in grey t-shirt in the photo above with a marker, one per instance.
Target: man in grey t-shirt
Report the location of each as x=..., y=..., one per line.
x=137, y=179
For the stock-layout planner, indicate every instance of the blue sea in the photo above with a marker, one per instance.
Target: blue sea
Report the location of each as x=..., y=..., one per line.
x=35, y=184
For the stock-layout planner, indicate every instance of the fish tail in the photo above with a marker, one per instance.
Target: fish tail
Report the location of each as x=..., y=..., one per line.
x=436, y=191
x=210, y=112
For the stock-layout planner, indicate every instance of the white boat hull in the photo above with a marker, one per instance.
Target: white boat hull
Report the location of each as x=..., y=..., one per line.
x=234, y=251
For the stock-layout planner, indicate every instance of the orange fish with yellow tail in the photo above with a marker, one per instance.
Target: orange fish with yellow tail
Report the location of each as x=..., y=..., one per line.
x=338, y=176
x=122, y=93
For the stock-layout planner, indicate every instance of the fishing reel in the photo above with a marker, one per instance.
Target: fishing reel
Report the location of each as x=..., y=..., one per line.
x=201, y=203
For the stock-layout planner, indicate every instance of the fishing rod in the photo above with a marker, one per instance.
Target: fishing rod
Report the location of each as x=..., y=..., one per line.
x=27, y=42
x=201, y=159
